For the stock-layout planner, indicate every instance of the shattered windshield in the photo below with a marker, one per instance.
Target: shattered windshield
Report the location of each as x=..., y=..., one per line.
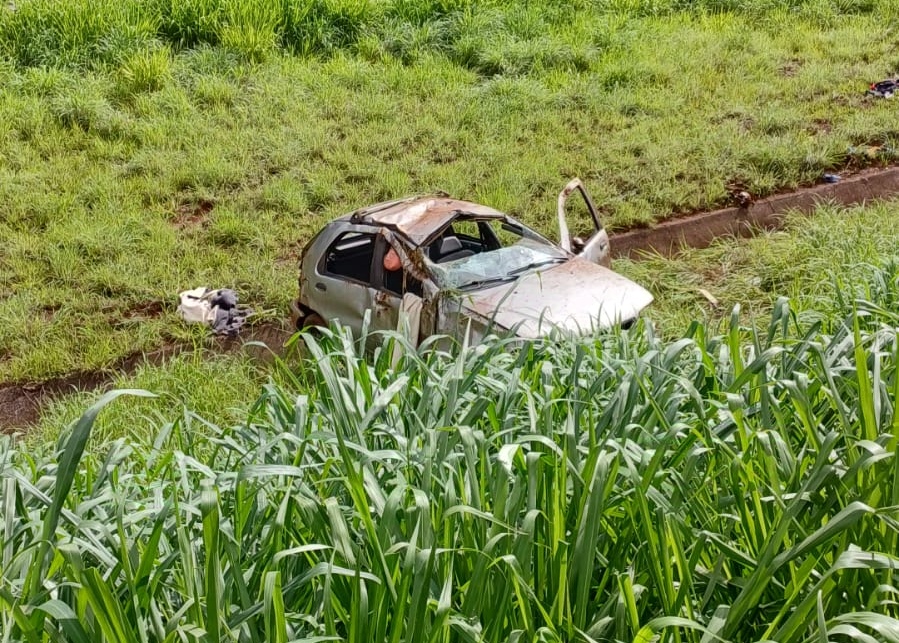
x=472, y=253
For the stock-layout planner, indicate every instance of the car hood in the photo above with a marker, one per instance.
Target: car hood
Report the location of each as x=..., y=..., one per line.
x=576, y=296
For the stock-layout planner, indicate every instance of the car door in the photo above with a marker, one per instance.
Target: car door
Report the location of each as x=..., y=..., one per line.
x=341, y=288
x=585, y=237
x=388, y=288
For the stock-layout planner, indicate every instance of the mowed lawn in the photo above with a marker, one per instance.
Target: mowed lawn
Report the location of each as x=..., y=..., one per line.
x=125, y=179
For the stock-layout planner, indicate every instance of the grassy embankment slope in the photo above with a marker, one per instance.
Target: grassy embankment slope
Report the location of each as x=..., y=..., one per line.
x=698, y=487
x=150, y=147
x=819, y=262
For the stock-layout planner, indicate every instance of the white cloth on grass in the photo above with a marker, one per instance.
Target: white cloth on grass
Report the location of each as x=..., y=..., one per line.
x=215, y=308
x=195, y=306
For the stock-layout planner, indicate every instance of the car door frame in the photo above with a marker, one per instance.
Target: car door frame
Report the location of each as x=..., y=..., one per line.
x=385, y=304
x=596, y=248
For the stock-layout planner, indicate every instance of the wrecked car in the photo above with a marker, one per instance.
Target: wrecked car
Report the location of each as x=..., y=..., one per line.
x=453, y=266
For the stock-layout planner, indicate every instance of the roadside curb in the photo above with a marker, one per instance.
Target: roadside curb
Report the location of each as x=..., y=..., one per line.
x=700, y=230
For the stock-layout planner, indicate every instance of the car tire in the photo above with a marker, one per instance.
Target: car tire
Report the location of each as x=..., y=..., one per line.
x=312, y=320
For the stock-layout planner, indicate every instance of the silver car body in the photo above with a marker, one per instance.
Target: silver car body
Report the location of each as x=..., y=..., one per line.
x=529, y=287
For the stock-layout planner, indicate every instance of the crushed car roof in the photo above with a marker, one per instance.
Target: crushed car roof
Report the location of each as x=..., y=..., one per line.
x=421, y=217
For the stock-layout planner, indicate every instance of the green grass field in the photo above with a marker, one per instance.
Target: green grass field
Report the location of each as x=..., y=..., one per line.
x=721, y=472
x=152, y=147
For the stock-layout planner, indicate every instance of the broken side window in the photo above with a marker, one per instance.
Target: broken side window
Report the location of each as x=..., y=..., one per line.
x=350, y=256
x=397, y=281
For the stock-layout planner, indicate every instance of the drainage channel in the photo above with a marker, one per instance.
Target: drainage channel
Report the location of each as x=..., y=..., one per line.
x=20, y=404
x=700, y=230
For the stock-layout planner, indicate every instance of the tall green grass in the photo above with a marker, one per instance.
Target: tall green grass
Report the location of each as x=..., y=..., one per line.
x=738, y=487
x=490, y=36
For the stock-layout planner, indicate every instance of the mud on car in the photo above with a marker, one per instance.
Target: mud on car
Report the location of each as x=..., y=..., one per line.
x=454, y=266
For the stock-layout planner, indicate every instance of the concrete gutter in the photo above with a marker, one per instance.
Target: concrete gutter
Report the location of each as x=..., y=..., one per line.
x=700, y=230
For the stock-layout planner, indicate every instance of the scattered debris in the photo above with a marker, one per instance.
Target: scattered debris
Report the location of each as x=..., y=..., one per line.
x=884, y=88
x=741, y=197
x=709, y=297
x=217, y=309
x=868, y=153
x=832, y=178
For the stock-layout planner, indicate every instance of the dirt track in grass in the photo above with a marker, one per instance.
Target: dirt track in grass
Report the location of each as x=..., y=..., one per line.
x=21, y=403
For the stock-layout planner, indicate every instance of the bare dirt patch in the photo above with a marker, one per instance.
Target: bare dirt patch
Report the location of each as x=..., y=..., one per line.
x=49, y=310
x=791, y=68
x=193, y=213
x=144, y=310
x=820, y=126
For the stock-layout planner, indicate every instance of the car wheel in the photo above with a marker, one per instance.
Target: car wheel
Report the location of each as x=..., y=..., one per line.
x=312, y=320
